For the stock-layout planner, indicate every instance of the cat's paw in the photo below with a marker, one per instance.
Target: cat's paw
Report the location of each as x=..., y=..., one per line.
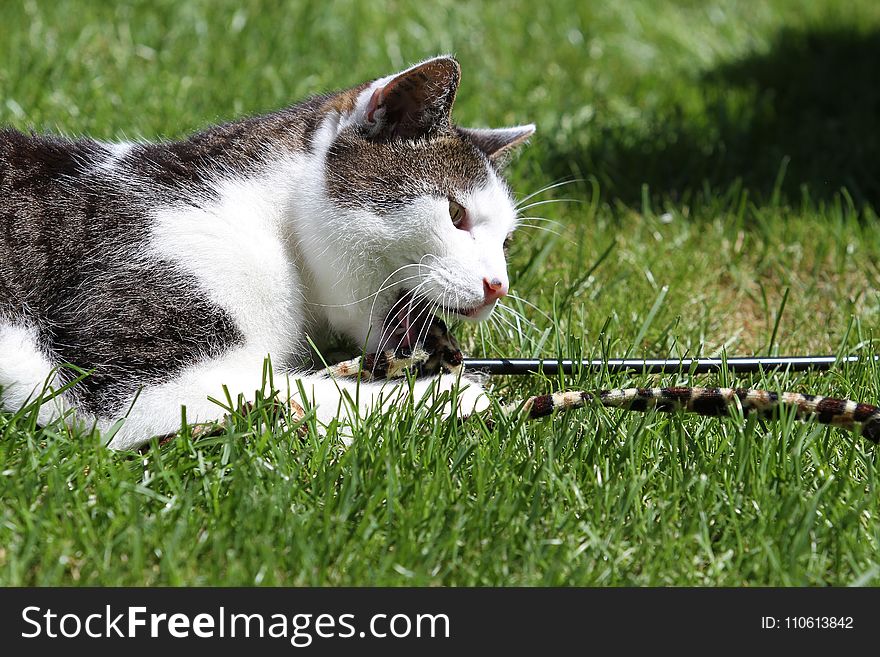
x=468, y=396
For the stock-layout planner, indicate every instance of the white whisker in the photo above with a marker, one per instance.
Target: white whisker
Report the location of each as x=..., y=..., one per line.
x=515, y=297
x=548, y=202
x=543, y=229
x=517, y=330
x=548, y=188
x=518, y=315
x=544, y=219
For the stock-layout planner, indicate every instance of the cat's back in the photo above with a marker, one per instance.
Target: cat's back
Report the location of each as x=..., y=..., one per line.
x=33, y=168
x=50, y=214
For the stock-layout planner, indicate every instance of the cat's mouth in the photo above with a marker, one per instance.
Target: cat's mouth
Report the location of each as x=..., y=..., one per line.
x=408, y=320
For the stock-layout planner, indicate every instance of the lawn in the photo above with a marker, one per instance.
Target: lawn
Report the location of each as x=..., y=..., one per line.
x=716, y=190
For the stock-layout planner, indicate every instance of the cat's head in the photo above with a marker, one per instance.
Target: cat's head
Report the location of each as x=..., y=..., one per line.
x=424, y=208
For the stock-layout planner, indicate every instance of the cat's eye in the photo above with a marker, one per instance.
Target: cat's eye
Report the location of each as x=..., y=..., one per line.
x=458, y=215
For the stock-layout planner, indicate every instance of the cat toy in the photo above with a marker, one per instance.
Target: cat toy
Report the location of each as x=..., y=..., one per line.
x=440, y=352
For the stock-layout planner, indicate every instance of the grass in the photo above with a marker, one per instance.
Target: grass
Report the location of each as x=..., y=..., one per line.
x=725, y=201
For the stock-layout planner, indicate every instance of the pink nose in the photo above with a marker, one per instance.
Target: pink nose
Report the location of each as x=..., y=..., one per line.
x=493, y=289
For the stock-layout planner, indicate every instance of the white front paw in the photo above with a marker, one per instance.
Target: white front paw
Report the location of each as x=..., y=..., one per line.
x=469, y=396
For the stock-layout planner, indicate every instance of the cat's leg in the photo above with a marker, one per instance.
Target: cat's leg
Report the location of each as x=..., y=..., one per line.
x=156, y=409
x=26, y=372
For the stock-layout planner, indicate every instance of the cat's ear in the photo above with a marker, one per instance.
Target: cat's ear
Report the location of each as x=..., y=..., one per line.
x=498, y=143
x=413, y=103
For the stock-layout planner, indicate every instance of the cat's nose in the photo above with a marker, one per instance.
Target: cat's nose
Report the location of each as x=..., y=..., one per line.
x=494, y=288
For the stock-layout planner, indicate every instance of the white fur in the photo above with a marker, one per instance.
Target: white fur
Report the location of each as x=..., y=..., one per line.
x=26, y=372
x=115, y=152
x=235, y=248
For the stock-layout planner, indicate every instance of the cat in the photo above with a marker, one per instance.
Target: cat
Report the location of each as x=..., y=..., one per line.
x=170, y=270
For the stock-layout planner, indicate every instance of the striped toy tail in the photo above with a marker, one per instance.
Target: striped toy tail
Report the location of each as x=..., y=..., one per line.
x=712, y=402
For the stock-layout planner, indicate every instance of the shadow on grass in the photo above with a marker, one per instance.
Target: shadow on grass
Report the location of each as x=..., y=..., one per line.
x=810, y=108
